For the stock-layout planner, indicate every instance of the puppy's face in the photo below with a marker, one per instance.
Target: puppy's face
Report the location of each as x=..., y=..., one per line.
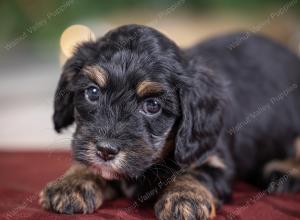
x=135, y=99
x=124, y=117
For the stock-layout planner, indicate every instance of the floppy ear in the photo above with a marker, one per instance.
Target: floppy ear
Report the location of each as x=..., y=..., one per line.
x=201, y=97
x=63, y=100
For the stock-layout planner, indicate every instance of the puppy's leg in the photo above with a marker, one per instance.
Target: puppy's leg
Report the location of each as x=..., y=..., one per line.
x=194, y=194
x=284, y=175
x=78, y=191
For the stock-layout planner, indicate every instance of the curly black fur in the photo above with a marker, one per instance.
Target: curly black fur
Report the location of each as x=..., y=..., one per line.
x=225, y=111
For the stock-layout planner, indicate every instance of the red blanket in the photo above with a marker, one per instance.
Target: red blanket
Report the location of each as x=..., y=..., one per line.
x=23, y=175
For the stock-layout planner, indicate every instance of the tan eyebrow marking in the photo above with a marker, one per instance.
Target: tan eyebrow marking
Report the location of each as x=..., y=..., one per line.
x=146, y=87
x=97, y=74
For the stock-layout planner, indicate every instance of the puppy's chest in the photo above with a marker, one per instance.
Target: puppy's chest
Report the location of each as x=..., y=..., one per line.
x=146, y=188
x=128, y=189
x=142, y=191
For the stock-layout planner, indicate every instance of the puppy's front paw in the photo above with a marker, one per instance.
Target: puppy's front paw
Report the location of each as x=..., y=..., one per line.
x=184, y=205
x=71, y=195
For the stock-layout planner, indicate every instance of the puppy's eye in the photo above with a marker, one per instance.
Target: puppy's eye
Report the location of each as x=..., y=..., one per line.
x=151, y=107
x=92, y=93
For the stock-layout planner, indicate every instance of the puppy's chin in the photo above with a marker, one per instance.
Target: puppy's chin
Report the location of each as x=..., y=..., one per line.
x=106, y=172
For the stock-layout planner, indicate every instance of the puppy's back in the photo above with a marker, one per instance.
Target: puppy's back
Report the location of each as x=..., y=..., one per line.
x=263, y=79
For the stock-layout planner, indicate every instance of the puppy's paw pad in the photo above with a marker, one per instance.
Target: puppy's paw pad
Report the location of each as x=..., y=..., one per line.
x=184, y=206
x=68, y=196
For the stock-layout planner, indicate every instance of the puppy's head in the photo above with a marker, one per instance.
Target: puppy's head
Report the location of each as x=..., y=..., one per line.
x=135, y=99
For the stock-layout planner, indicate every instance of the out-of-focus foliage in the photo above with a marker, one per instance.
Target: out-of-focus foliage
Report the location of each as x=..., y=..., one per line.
x=18, y=15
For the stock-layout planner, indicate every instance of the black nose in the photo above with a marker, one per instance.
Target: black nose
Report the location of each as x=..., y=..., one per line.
x=106, y=153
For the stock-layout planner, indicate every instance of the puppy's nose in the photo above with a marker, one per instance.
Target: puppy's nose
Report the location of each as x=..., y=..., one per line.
x=106, y=153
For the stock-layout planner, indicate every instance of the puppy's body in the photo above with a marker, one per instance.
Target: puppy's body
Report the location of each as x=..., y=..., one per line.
x=176, y=126
x=262, y=119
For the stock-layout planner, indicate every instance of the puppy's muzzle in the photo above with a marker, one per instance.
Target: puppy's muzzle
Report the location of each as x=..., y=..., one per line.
x=106, y=153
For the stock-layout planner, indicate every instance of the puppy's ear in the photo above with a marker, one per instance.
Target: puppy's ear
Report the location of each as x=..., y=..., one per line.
x=63, y=101
x=201, y=97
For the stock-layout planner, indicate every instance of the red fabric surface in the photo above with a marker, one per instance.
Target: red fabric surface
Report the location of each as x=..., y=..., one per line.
x=23, y=175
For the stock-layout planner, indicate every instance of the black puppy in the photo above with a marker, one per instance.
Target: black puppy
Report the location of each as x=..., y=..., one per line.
x=176, y=126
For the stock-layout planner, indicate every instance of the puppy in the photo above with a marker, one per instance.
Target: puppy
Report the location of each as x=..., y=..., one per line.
x=175, y=126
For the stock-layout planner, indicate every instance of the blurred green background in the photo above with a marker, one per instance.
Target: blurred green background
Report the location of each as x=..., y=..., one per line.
x=18, y=15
